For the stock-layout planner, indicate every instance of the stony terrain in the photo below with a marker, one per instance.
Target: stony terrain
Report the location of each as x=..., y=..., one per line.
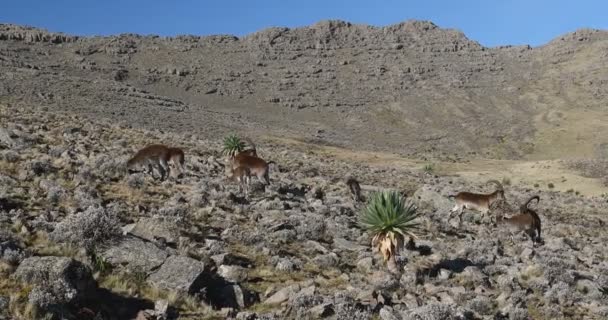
x=410, y=107
x=411, y=88
x=81, y=239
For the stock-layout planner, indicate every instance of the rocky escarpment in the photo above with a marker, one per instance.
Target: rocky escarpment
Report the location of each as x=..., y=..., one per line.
x=31, y=35
x=411, y=87
x=82, y=239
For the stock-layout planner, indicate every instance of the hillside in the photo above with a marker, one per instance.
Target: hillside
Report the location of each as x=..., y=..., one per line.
x=411, y=107
x=81, y=238
x=411, y=88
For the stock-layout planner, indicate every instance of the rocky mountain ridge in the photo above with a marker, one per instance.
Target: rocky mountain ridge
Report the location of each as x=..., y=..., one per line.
x=411, y=88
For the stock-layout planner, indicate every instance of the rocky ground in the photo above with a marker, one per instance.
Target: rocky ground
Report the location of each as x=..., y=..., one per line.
x=81, y=239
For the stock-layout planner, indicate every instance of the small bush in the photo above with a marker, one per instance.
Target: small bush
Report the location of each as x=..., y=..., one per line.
x=233, y=145
x=100, y=264
x=87, y=229
x=551, y=185
x=506, y=181
x=428, y=168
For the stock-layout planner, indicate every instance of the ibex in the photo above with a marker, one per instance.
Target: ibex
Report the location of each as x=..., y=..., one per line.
x=355, y=188
x=250, y=152
x=476, y=201
x=242, y=176
x=157, y=157
x=527, y=220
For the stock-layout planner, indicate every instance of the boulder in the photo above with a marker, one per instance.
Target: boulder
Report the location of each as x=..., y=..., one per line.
x=179, y=274
x=56, y=280
x=427, y=197
x=232, y=273
x=435, y=311
x=154, y=228
x=135, y=254
x=283, y=295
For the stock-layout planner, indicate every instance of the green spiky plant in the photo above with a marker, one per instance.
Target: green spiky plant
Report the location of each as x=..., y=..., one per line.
x=233, y=145
x=389, y=217
x=428, y=168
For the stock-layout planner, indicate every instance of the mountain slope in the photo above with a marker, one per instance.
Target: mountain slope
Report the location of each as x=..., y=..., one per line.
x=412, y=88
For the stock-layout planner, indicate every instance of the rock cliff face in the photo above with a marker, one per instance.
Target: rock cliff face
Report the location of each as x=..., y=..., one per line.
x=412, y=87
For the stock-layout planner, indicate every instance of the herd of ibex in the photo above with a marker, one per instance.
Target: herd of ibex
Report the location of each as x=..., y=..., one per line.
x=241, y=166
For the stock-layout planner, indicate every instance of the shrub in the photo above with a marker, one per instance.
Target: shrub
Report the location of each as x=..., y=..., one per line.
x=428, y=168
x=87, y=229
x=389, y=218
x=232, y=145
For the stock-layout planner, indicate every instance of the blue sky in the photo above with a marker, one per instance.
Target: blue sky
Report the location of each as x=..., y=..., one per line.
x=491, y=22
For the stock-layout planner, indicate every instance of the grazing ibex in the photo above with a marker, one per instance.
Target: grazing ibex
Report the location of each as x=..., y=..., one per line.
x=242, y=176
x=355, y=188
x=526, y=220
x=157, y=157
x=257, y=166
x=476, y=201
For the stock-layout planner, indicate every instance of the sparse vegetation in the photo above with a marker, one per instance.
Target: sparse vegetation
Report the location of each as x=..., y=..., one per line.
x=389, y=218
x=291, y=236
x=233, y=145
x=551, y=185
x=428, y=168
x=87, y=229
x=100, y=264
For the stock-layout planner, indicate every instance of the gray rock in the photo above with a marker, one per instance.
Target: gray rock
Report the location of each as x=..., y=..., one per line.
x=6, y=138
x=428, y=197
x=312, y=229
x=234, y=274
x=326, y=260
x=283, y=295
x=482, y=305
x=382, y=280
x=444, y=274
x=321, y=311
x=435, y=311
x=387, y=313
x=157, y=227
x=135, y=254
x=180, y=274
x=366, y=264
x=473, y=277
x=56, y=280
x=519, y=314
x=590, y=288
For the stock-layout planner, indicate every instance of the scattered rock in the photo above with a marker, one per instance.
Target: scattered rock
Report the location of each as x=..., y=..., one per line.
x=180, y=274
x=155, y=228
x=56, y=280
x=135, y=254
